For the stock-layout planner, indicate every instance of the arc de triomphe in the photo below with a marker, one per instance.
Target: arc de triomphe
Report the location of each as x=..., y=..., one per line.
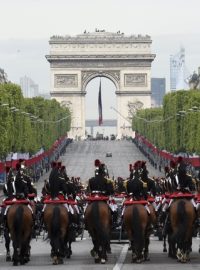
x=125, y=60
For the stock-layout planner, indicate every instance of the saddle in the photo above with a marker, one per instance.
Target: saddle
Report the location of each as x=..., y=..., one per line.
x=132, y=201
x=97, y=197
x=181, y=195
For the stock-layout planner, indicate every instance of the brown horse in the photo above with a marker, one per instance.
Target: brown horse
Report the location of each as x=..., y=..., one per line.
x=20, y=223
x=98, y=223
x=137, y=223
x=56, y=220
x=182, y=217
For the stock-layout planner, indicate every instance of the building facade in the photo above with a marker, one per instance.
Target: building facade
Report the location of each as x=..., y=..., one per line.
x=178, y=71
x=158, y=90
x=29, y=87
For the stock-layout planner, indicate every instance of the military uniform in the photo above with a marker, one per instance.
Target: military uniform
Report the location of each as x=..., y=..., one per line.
x=185, y=180
x=20, y=183
x=9, y=188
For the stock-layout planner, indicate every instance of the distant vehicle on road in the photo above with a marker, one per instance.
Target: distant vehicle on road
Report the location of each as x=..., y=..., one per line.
x=112, y=137
x=108, y=154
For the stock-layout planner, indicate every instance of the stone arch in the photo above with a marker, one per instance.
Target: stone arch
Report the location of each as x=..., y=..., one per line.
x=88, y=76
x=125, y=60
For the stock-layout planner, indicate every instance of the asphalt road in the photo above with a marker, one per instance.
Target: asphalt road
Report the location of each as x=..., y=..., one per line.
x=79, y=161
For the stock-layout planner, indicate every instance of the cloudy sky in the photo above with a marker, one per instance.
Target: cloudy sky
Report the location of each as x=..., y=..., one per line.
x=27, y=25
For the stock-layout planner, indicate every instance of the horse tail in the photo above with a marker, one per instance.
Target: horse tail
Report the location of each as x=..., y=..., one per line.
x=55, y=222
x=182, y=221
x=17, y=223
x=138, y=235
x=101, y=231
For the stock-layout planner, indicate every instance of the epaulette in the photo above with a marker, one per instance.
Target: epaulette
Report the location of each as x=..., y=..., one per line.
x=125, y=183
x=144, y=184
x=109, y=180
x=194, y=181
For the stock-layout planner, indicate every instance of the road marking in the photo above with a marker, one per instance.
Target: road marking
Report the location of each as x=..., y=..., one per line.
x=122, y=257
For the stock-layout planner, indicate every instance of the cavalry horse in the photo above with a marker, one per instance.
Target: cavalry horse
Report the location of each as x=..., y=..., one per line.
x=182, y=217
x=98, y=223
x=137, y=222
x=20, y=224
x=56, y=220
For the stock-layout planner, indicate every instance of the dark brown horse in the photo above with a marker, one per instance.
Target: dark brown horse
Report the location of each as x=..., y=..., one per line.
x=137, y=223
x=98, y=224
x=20, y=223
x=182, y=217
x=56, y=220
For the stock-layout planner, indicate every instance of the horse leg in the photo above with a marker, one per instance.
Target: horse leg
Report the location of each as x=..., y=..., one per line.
x=69, y=249
x=103, y=248
x=95, y=252
x=146, y=249
x=25, y=252
x=16, y=253
x=164, y=243
x=134, y=255
x=7, y=244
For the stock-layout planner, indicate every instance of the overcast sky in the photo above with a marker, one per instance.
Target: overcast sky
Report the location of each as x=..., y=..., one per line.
x=27, y=25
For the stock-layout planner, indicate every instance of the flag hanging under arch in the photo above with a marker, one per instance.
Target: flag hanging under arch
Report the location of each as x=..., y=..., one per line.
x=100, y=106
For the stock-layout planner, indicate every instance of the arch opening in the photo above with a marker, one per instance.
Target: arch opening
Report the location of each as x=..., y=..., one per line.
x=109, y=101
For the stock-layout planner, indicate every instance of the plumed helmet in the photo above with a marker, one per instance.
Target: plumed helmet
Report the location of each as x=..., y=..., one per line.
x=143, y=164
x=101, y=170
x=130, y=167
x=18, y=166
x=53, y=164
x=172, y=164
x=62, y=168
x=59, y=164
x=136, y=165
x=179, y=159
x=97, y=163
x=7, y=169
x=166, y=169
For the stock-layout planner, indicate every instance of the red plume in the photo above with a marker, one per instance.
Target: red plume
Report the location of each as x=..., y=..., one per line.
x=172, y=164
x=130, y=167
x=179, y=159
x=7, y=169
x=18, y=166
x=97, y=163
x=53, y=164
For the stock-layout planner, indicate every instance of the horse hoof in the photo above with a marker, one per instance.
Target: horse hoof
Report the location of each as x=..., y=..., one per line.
x=55, y=260
x=103, y=261
x=108, y=250
x=60, y=261
x=92, y=252
x=8, y=258
x=97, y=260
x=164, y=250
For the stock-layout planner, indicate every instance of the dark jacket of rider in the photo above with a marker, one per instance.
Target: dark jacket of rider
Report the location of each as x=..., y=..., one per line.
x=21, y=185
x=136, y=188
x=100, y=184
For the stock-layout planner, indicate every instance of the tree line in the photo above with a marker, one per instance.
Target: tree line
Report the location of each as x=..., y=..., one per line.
x=174, y=127
x=28, y=124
